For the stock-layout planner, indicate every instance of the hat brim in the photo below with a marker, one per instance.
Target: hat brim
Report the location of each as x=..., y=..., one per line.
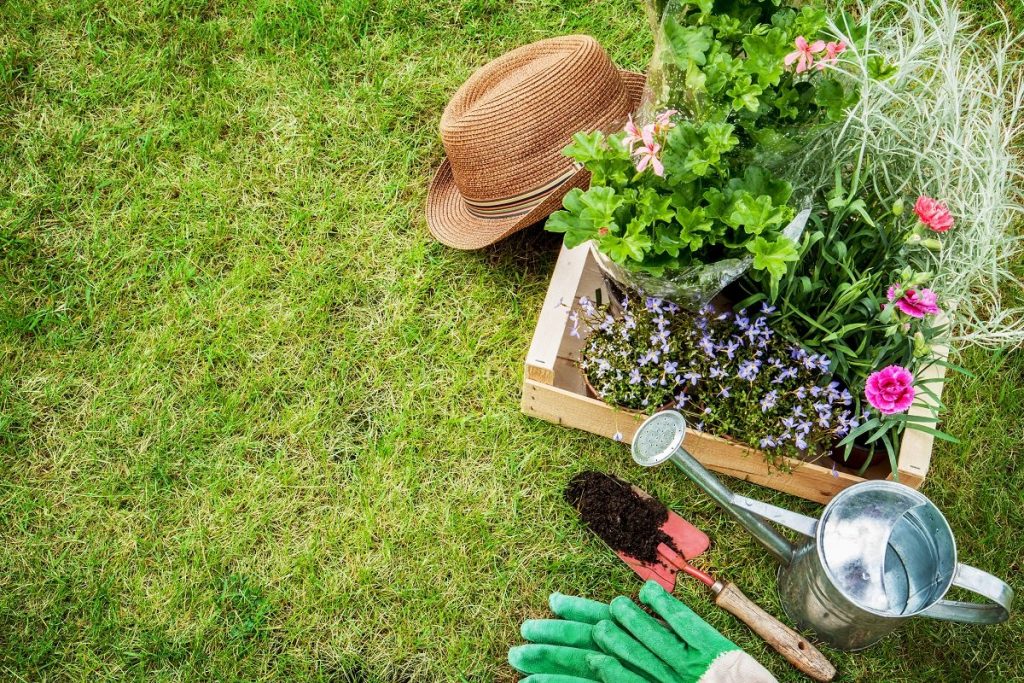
x=451, y=222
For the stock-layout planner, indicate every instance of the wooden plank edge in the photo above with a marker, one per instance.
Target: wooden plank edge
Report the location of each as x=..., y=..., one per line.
x=547, y=336
x=916, y=447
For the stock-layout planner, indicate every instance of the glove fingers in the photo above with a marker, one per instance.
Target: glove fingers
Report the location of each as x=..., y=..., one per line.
x=690, y=628
x=550, y=659
x=556, y=678
x=609, y=670
x=582, y=610
x=616, y=642
x=645, y=628
x=559, y=632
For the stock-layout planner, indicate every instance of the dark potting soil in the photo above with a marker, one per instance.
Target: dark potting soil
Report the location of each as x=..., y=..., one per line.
x=625, y=521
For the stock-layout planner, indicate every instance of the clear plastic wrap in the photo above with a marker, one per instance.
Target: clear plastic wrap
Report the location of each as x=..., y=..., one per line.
x=696, y=285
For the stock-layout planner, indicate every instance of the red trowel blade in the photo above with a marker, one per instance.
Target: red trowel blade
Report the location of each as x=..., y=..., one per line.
x=687, y=539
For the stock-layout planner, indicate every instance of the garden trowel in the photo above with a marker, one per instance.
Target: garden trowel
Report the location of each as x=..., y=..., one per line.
x=689, y=542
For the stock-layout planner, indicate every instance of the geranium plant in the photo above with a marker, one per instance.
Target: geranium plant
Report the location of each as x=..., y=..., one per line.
x=734, y=82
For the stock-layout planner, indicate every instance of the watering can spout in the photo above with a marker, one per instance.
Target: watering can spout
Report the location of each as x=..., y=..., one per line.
x=660, y=438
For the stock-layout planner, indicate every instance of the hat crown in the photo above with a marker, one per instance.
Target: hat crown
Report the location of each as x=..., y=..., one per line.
x=505, y=128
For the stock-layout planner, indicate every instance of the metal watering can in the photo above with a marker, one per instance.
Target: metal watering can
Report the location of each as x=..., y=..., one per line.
x=880, y=553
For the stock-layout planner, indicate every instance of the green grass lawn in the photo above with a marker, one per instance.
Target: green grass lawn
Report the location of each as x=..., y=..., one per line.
x=256, y=424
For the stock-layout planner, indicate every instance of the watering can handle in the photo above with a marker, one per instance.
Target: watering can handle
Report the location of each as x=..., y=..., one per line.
x=803, y=524
x=985, y=585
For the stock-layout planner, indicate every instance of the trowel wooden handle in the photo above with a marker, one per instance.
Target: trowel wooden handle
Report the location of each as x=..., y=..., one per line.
x=785, y=640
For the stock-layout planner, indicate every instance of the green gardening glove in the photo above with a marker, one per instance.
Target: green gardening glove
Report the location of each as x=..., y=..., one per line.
x=564, y=651
x=621, y=643
x=693, y=649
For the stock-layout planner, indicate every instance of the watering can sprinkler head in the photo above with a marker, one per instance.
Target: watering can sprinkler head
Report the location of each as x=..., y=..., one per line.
x=659, y=438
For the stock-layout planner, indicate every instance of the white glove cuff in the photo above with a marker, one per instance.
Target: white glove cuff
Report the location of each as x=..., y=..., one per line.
x=736, y=666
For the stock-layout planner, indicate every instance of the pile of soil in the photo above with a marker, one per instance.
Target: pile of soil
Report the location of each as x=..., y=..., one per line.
x=625, y=521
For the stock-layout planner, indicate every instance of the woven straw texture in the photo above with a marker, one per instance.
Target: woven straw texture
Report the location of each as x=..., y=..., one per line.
x=504, y=130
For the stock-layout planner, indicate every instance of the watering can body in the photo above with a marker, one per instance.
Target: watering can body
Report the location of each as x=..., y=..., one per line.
x=861, y=574
x=880, y=554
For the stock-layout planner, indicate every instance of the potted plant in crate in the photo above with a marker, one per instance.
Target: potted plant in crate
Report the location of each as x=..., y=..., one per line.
x=688, y=198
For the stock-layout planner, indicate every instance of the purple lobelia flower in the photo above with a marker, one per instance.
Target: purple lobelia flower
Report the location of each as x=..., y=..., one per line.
x=706, y=345
x=769, y=400
x=634, y=376
x=692, y=376
x=748, y=370
x=730, y=349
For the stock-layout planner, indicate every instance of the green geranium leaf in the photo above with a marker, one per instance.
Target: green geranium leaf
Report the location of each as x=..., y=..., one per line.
x=728, y=27
x=696, y=79
x=631, y=245
x=586, y=147
x=599, y=204
x=745, y=93
x=758, y=181
x=765, y=55
x=688, y=43
x=695, y=227
x=754, y=214
x=786, y=102
x=718, y=203
x=666, y=240
x=652, y=207
x=572, y=201
x=833, y=98
x=773, y=257
x=577, y=230
x=719, y=137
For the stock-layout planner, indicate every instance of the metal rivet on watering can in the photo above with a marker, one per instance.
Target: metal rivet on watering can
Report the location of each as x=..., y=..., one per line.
x=880, y=554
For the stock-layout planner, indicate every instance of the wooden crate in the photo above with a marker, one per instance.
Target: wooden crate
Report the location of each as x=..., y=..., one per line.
x=554, y=390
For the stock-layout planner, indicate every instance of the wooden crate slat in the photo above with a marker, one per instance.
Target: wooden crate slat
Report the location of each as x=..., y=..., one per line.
x=549, y=334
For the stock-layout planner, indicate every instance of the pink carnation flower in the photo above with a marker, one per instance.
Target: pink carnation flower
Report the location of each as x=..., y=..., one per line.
x=890, y=390
x=915, y=303
x=934, y=214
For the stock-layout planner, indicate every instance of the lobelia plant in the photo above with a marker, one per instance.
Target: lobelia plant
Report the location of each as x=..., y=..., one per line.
x=730, y=373
x=681, y=192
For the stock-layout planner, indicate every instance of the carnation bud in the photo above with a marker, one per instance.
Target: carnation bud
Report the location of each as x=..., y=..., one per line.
x=921, y=347
x=897, y=208
x=932, y=245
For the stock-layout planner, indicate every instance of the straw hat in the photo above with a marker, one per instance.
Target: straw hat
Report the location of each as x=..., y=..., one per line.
x=504, y=130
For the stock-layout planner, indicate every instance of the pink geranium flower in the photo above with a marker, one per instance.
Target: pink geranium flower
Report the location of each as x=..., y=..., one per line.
x=803, y=56
x=648, y=152
x=934, y=214
x=832, y=52
x=915, y=303
x=663, y=122
x=890, y=390
x=634, y=136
